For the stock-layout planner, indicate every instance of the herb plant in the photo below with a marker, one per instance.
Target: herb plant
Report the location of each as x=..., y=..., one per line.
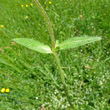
x=67, y=44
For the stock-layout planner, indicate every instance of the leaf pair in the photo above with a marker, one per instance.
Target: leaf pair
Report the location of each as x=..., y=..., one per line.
x=67, y=44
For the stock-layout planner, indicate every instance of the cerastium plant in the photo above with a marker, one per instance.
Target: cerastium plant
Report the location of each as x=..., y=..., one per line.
x=67, y=44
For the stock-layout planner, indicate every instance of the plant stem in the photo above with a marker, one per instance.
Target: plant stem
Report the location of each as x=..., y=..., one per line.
x=62, y=77
x=51, y=32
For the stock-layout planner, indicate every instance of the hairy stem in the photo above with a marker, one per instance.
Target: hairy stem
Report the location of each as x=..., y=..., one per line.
x=51, y=32
x=62, y=78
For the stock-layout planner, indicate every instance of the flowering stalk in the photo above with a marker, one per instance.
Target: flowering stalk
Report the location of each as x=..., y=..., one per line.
x=51, y=32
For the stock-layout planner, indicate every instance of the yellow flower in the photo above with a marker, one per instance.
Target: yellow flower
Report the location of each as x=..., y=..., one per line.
x=7, y=90
x=22, y=5
x=50, y=2
x=2, y=26
x=45, y=3
x=27, y=5
x=46, y=7
x=31, y=4
x=27, y=17
x=3, y=90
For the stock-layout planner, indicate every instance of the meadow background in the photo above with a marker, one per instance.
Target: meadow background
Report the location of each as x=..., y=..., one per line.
x=33, y=78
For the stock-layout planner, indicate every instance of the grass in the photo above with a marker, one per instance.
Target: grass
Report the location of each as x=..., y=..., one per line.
x=33, y=80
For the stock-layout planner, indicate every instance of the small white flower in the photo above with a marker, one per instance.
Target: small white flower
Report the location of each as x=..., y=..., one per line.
x=37, y=98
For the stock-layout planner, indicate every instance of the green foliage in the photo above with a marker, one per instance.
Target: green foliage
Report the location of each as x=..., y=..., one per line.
x=33, y=45
x=89, y=86
x=3, y=61
x=67, y=44
x=77, y=41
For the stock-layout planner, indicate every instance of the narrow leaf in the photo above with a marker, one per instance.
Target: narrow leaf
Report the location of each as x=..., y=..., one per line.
x=77, y=41
x=33, y=45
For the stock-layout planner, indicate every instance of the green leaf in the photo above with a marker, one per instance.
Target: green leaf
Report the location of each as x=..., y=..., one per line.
x=77, y=41
x=33, y=45
x=57, y=43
